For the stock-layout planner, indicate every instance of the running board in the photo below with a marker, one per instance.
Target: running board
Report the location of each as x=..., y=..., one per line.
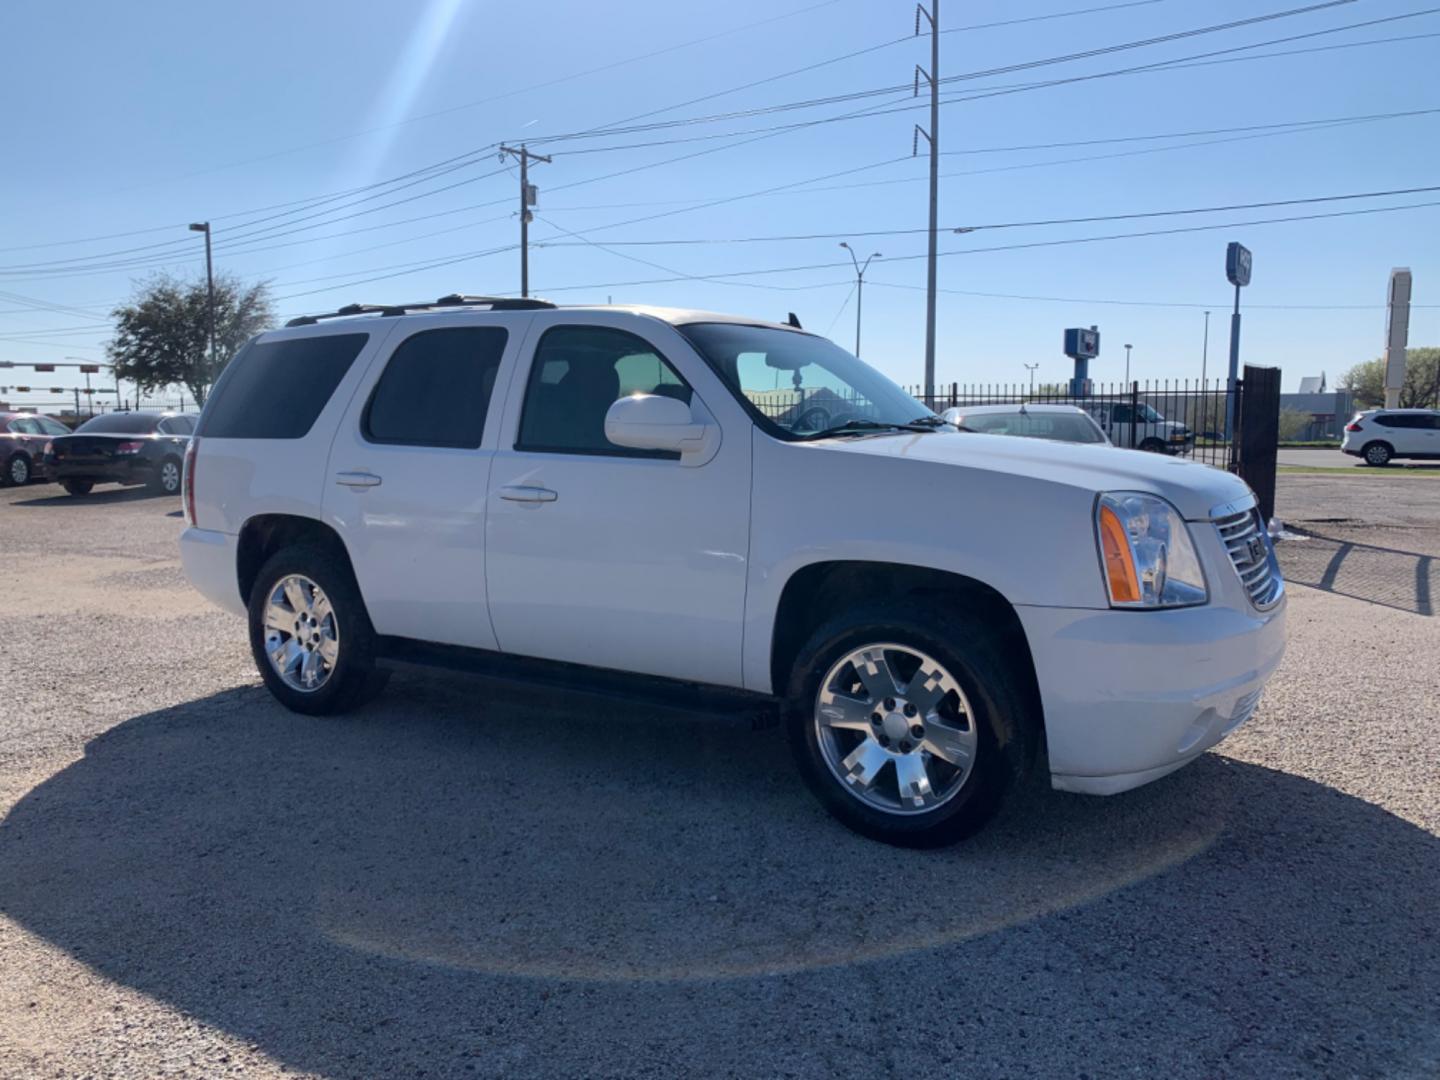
x=760, y=710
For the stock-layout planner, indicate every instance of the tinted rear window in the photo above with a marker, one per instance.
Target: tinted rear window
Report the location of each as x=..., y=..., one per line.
x=276, y=389
x=121, y=423
x=436, y=388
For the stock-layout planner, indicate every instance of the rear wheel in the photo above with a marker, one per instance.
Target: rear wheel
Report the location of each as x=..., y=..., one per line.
x=908, y=723
x=310, y=635
x=166, y=479
x=1378, y=453
x=17, y=470
x=77, y=487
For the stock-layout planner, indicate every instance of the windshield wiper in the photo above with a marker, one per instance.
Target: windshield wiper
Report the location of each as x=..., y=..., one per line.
x=931, y=421
x=858, y=427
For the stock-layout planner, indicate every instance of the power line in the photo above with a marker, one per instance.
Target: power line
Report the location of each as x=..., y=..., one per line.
x=1021, y=246
x=682, y=242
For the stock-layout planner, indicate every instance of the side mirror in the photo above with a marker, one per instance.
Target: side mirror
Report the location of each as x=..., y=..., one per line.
x=654, y=422
x=952, y=416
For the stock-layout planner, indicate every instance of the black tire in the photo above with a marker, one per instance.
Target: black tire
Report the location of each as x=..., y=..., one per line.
x=1006, y=722
x=1377, y=454
x=355, y=679
x=17, y=471
x=1153, y=446
x=166, y=478
x=77, y=487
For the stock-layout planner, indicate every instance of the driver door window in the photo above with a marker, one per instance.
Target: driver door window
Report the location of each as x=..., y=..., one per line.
x=577, y=374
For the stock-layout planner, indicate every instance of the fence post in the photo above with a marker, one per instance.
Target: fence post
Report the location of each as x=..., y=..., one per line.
x=1258, y=433
x=1134, y=412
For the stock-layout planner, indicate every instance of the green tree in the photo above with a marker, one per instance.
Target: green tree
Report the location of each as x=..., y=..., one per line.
x=162, y=336
x=1292, y=423
x=1422, y=381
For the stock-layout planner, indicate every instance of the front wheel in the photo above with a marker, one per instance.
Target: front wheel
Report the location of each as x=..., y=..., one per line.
x=77, y=487
x=310, y=635
x=1153, y=446
x=908, y=723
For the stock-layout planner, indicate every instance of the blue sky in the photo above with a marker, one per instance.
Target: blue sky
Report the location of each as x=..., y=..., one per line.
x=148, y=116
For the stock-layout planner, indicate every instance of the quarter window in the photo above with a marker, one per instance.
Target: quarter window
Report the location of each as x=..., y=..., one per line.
x=577, y=374
x=52, y=427
x=276, y=389
x=436, y=388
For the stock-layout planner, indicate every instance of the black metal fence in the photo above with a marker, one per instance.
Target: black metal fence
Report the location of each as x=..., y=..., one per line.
x=1179, y=417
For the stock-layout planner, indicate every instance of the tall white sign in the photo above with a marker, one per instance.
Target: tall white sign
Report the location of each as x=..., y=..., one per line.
x=1397, y=335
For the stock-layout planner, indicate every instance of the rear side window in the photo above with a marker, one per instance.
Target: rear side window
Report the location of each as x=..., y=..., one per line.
x=276, y=389
x=436, y=388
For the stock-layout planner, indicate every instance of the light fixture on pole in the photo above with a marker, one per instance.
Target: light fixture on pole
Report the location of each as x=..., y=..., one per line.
x=204, y=227
x=1031, y=368
x=859, y=286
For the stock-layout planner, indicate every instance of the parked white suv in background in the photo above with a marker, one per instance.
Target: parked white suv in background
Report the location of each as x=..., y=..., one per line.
x=1378, y=435
x=627, y=496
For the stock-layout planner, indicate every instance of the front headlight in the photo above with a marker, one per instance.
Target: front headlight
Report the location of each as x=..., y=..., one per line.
x=1146, y=553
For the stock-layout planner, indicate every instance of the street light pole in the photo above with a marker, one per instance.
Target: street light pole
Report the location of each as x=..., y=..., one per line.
x=859, y=287
x=204, y=226
x=1031, y=368
x=1127, y=365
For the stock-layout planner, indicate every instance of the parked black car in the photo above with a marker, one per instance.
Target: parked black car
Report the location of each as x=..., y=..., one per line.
x=22, y=445
x=122, y=448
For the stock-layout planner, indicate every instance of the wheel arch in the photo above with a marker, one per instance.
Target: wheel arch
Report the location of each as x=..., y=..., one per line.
x=819, y=591
x=264, y=534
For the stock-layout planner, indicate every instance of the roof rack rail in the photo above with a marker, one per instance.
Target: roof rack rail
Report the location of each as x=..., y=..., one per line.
x=494, y=303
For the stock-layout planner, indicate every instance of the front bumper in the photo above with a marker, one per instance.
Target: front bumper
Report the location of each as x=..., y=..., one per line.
x=1132, y=695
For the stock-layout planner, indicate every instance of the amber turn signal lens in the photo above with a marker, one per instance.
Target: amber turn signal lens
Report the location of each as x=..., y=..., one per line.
x=1119, y=566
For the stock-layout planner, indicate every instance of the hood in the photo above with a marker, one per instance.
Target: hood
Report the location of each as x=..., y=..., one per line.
x=1192, y=488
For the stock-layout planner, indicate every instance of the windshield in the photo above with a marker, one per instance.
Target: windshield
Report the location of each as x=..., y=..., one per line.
x=1062, y=427
x=121, y=423
x=799, y=385
x=1149, y=414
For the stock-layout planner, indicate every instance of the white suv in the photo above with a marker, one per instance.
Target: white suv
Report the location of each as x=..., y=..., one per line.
x=1378, y=435
x=639, y=498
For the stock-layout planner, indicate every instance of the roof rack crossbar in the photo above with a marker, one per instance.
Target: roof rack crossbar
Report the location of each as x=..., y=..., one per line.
x=494, y=303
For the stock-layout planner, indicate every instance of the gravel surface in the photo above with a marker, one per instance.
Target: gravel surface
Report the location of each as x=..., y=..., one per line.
x=466, y=879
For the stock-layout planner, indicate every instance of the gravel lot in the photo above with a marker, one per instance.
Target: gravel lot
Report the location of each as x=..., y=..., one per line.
x=466, y=879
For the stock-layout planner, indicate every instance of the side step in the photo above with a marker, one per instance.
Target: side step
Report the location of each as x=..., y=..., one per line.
x=760, y=710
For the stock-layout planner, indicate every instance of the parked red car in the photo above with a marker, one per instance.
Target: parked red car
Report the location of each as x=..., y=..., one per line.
x=22, y=445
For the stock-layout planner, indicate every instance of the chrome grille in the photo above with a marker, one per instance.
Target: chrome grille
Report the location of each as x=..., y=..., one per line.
x=1243, y=535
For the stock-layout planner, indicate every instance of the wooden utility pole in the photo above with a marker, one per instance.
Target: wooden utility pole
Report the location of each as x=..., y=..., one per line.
x=933, y=138
x=527, y=200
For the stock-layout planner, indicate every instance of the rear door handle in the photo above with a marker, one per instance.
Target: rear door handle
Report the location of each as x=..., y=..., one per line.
x=523, y=493
x=357, y=479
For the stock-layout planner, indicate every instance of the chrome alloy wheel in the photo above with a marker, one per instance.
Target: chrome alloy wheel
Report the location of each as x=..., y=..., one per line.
x=302, y=638
x=895, y=729
x=19, y=471
x=170, y=477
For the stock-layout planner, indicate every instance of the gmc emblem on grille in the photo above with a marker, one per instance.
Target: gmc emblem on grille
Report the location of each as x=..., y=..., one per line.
x=1255, y=547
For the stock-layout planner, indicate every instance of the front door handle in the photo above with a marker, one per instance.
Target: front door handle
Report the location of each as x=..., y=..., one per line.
x=357, y=479
x=523, y=493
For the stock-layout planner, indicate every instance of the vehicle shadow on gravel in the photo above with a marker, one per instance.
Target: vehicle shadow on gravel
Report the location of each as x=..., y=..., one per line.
x=461, y=877
x=102, y=497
